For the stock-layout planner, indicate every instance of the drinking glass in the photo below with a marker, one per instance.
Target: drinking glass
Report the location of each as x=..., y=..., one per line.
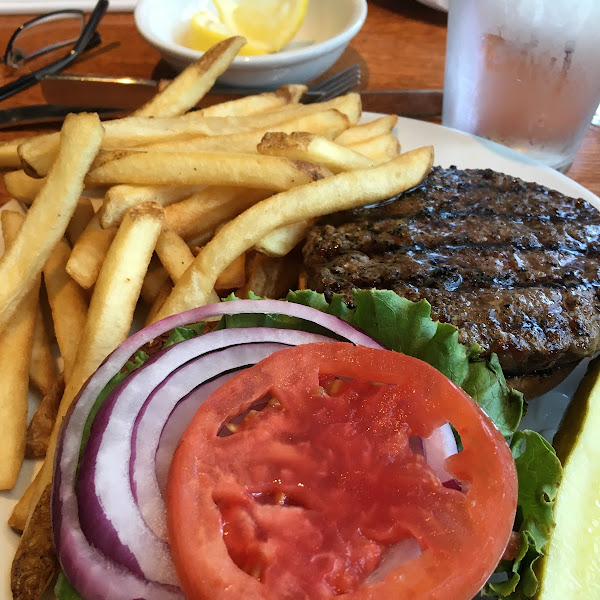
x=525, y=73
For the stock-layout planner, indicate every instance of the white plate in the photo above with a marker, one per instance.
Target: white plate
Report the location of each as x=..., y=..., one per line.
x=451, y=148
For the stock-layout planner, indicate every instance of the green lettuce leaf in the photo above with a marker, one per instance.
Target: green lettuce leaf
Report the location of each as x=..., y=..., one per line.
x=64, y=590
x=539, y=473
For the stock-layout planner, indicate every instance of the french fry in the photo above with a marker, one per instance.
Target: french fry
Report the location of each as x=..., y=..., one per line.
x=50, y=213
x=327, y=123
x=233, y=276
x=365, y=131
x=155, y=277
x=378, y=149
x=188, y=88
x=111, y=309
x=21, y=186
x=15, y=355
x=42, y=368
x=35, y=564
x=41, y=424
x=120, y=198
x=209, y=168
x=253, y=104
x=9, y=157
x=283, y=240
x=20, y=511
x=68, y=302
x=339, y=192
x=174, y=253
x=301, y=145
x=89, y=252
x=292, y=92
x=270, y=277
x=202, y=212
x=159, y=299
x=84, y=212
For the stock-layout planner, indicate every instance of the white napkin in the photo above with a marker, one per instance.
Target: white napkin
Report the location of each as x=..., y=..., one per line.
x=38, y=7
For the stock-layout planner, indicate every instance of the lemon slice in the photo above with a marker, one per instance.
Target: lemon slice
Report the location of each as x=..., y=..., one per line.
x=266, y=24
x=206, y=30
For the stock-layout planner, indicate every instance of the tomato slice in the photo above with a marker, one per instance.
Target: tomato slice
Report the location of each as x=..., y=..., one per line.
x=311, y=495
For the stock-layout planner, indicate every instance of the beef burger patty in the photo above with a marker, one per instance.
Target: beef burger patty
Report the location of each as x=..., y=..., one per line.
x=514, y=265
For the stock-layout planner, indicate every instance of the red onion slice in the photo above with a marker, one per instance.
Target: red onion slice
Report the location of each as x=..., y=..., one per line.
x=109, y=514
x=437, y=448
x=171, y=406
x=94, y=574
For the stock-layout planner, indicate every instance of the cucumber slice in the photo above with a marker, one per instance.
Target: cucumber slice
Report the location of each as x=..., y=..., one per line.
x=571, y=568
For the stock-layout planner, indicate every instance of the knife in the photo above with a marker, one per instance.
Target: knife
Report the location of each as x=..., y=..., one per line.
x=120, y=95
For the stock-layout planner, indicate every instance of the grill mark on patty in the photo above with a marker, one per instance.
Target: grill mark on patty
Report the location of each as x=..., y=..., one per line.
x=376, y=236
x=515, y=266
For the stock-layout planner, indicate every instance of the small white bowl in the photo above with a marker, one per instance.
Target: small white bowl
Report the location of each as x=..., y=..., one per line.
x=328, y=28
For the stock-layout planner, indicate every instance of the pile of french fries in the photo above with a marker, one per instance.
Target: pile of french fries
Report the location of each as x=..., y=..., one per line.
x=159, y=212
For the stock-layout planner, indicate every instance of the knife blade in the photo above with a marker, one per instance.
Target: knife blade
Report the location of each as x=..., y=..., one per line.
x=81, y=93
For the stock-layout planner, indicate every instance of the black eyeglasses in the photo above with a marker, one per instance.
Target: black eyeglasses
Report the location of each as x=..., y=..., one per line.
x=43, y=37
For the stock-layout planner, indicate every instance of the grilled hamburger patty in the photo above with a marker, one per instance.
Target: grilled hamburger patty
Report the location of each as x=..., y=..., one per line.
x=514, y=265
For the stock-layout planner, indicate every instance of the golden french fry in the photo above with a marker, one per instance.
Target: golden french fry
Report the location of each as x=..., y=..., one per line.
x=378, y=149
x=21, y=186
x=253, y=104
x=15, y=355
x=161, y=295
x=283, y=240
x=360, y=133
x=120, y=198
x=210, y=168
x=174, y=253
x=186, y=90
x=89, y=252
x=301, y=145
x=233, y=276
x=50, y=212
x=35, y=564
x=41, y=424
x=20, y=511
x=292, y=92
x=84, y=212
x=327, y=123
x=9, y=157
x=111, y=309
x=68, y=302
x=202, y=212
x=270, y=277
x=42, y=368
x=247, y=105
x=339, y=192
x=155, y=277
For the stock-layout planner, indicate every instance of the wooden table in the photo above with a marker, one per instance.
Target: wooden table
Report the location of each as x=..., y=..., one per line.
x=402, y=45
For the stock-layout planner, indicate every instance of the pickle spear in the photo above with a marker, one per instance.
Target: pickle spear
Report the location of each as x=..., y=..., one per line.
x=571, y=568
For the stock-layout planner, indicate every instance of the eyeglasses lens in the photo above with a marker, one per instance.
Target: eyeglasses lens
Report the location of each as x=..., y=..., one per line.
x=39, y=41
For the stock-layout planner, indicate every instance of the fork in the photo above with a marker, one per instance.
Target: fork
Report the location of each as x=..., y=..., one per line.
x=336, y=85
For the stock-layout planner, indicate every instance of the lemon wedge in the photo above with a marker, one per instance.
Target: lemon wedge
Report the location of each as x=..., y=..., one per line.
x=206, y=30
x=266, y=24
